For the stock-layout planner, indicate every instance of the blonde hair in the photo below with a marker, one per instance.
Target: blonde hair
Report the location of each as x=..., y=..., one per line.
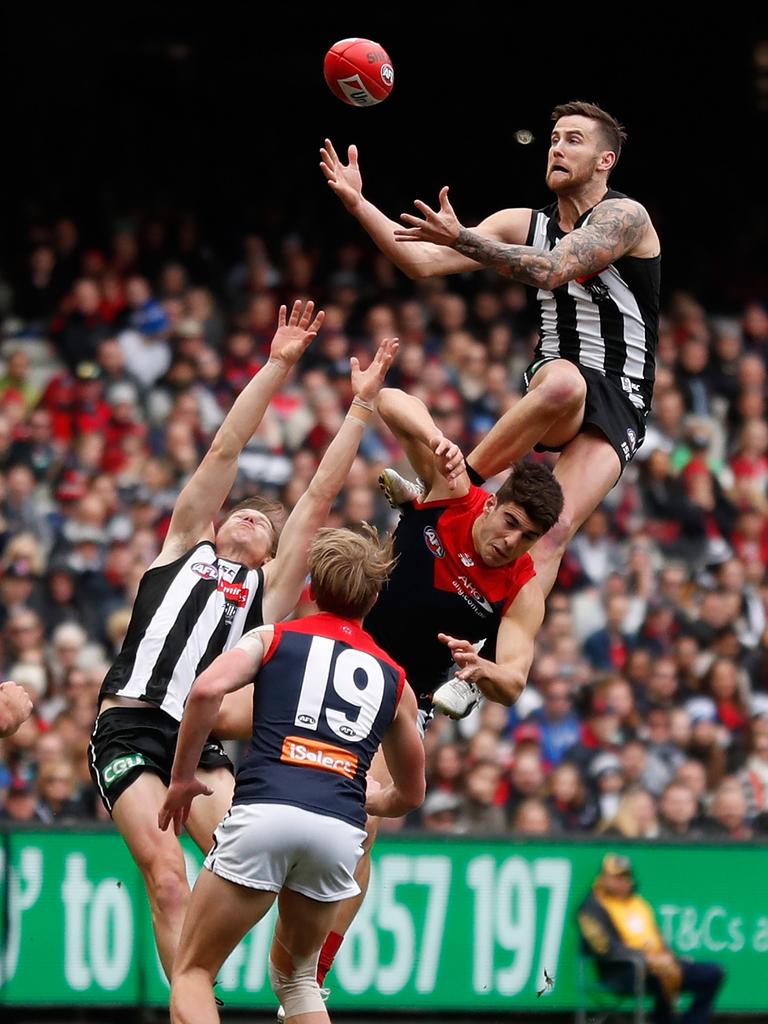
x=348, y=569
x=625, y=820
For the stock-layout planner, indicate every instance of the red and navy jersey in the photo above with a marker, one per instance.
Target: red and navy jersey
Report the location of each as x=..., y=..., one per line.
x=441, y=585
x=324, y=697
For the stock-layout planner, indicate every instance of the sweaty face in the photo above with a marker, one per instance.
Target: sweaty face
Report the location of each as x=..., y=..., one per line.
x=246, y=536
x=577, y=149
x=502, y=533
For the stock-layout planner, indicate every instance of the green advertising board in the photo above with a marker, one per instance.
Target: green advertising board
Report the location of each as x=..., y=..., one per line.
x=448, y=923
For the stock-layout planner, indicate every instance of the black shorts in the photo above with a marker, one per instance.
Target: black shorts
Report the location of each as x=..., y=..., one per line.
x=607, y=409
x=128, y=741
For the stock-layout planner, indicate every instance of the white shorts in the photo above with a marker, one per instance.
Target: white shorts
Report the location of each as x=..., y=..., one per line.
x=268, y=846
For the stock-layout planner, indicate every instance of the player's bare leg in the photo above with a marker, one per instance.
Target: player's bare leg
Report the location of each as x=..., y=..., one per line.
x=159, y=857
x=587, y=470
x=346, y=910
x=550, y=413
x=220, y=914
x=300, y=931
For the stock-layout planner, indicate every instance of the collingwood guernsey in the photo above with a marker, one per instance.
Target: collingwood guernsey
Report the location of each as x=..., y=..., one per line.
x=185, y=614
x=607, y=321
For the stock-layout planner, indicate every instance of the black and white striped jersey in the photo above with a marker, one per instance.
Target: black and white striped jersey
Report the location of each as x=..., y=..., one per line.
x=185, y=614
x=608, y=321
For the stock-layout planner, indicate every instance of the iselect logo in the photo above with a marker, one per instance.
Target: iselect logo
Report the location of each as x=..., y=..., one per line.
x=117, y=768
x=314, y=754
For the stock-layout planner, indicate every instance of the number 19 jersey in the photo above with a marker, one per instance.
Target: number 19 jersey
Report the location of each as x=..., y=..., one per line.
x=323, y=699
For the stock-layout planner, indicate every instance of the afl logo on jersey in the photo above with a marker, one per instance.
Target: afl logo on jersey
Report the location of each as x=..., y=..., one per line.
x=433, y=542
x=347, y=730
x=204, y=569
x=307, y=720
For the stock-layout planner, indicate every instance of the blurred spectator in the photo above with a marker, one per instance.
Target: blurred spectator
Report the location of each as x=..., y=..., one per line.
x=678, y=812
x=559, y=726
x=727, y=816
x=570, y=807
x=676, y=522
x=643, y=768
x=480, y=813
x=39, y=290
x=81, y=324
x=596, y=551
x=445, y=769
x=526, y=779
x=754, y=775
x=16, y=381
x=440, y=812
x=609, y=648
x=600, y=734
x=56, y=793
x=635, y=816
x=607, y=781
x=34, y=447
x=532, y=819
x=662, y=690
x=21, y=803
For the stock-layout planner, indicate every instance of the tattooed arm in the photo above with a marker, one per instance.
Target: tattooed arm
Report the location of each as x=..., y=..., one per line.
x=618, y=227
x=416, y=261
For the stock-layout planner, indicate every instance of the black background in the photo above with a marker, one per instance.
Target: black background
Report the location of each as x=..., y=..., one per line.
x=221, y=111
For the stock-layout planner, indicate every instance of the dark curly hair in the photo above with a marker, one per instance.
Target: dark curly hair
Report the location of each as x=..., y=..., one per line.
x=533, y=487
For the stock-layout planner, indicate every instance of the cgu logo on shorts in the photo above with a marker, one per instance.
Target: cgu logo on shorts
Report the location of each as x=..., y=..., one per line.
x=117, y=768
x=433, y=542
x=204, y=569
x=316, y=754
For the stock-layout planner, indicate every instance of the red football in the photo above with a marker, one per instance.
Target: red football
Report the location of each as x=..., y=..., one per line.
x=359, y=72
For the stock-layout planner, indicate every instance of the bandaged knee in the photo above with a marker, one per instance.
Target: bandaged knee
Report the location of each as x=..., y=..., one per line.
x=294, y=980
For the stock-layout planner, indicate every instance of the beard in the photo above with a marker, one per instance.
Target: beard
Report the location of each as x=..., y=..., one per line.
x=564, y=183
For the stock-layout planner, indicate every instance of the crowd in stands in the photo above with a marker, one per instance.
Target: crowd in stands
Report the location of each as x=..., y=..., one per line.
x=646, y=711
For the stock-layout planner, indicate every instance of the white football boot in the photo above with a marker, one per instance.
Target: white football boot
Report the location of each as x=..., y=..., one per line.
x=456, y=698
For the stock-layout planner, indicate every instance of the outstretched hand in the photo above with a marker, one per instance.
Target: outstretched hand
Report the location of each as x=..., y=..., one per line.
x=449, y=459
x=440, y=226
x=344, y=179
x=295, y=332
x=178, y=802
x=471, y=665
x=366, y=384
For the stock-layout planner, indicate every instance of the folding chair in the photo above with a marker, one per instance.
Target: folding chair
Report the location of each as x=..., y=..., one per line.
x=596, y=995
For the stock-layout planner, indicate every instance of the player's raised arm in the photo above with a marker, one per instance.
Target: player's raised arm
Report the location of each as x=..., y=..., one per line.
x=437, y=460
x=285, y=575
x=205, y=493
x=415, y=260
x=617, y=227
x=403, y=750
